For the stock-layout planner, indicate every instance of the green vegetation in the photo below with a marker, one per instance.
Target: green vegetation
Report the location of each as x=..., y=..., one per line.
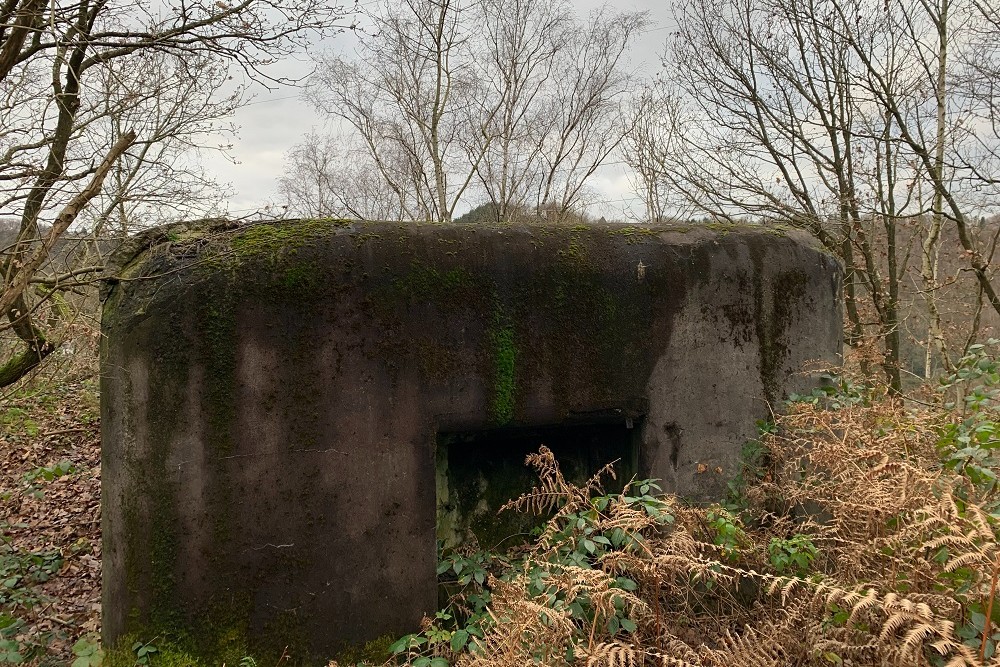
x=88, y=652
x=581, y=535
x=862, y=529
x=794, y=555
x=504, y=361
x=284, y=238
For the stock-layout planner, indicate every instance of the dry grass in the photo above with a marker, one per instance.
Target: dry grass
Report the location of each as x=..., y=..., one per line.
x=905, y=557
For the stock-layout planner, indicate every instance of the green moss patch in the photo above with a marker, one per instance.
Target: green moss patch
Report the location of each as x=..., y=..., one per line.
x=281, y=238
x=504, y=369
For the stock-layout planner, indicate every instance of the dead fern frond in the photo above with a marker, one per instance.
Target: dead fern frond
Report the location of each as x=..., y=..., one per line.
x=749, y=649
x=862, y=605
x=970, y=559
x=981, y=521
x=553, y=490
x=613, y=654
x=621, y=515
x=523, y=630
x=616, y=654
x=903, y=548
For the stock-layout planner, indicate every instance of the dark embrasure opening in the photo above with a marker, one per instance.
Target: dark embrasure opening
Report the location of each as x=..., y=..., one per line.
x=479, y=471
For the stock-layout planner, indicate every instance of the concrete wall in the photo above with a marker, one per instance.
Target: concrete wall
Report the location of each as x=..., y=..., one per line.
x=271, y=397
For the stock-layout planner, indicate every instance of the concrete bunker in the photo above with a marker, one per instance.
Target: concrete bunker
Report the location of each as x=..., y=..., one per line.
x=277, y=399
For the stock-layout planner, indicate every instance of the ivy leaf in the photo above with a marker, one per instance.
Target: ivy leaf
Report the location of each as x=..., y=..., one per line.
x=459, y=640
x=626, y=584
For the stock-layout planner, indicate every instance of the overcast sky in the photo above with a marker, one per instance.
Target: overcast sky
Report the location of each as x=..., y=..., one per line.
x=276, y=120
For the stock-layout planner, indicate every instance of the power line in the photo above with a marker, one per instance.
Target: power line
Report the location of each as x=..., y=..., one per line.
x=270, y=99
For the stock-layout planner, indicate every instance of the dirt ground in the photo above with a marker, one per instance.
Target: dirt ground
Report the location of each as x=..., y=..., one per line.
x=50, y=490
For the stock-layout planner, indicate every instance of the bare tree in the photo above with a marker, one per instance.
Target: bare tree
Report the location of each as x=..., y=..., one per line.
x=326, y=177
x=178, y=108
x=584, y=111
x=518, y=95
x=784, y=133
x=523, y=41
x=60, y=144
x=309, y=187
x=868, y=123
x=651, y=143
x=415, y=99
x=953, y=155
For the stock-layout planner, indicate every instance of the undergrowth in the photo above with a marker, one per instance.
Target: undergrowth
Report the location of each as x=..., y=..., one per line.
x=862, y=531
x=50, y=568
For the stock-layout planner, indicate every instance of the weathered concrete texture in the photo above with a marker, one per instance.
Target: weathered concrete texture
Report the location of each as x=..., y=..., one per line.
x=272, y=396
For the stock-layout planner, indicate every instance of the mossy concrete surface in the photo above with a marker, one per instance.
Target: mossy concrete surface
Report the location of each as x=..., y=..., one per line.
x=272, y=396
